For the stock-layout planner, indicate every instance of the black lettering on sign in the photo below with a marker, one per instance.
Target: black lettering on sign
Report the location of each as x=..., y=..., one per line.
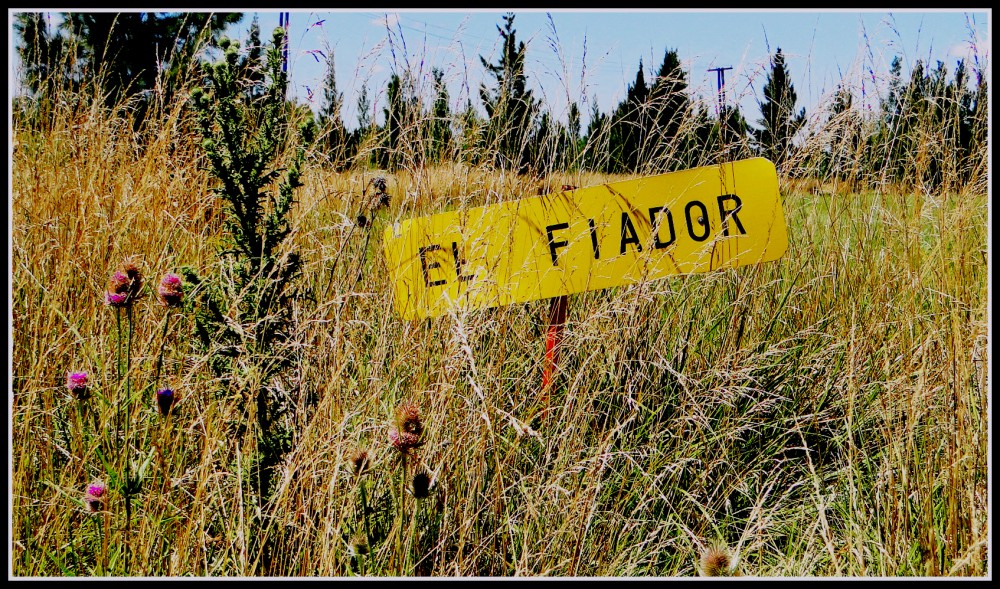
x=593, y=239
x=656, y=228
x=554, y=245
x=430, y=266
x=700, y=218
x=724, y=213
x=628, y=234
x=459, y=262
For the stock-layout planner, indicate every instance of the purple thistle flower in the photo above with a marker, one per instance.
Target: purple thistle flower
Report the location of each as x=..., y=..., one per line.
x=76, y=382
x=404, y=441
x=119, y=282
x=131, y=270
x=114, y=299
x=94, y=497
x=171, y=293
x=165, y=399
x=124, y=286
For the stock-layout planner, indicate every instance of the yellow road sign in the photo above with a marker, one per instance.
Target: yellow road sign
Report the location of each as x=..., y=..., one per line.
x=696, y=220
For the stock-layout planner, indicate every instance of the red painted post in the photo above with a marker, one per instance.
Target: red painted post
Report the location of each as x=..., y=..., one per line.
x=553, y=339
x=554, y=334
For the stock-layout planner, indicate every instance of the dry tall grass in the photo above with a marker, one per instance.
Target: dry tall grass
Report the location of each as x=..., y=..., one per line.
x=822, y=415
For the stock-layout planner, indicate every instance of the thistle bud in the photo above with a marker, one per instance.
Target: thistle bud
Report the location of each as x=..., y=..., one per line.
x=359, y=544
x=420, y=485
x=165, y=400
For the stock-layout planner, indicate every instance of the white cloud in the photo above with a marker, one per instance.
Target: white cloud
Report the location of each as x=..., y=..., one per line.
x=967, y=49
x=388, y=19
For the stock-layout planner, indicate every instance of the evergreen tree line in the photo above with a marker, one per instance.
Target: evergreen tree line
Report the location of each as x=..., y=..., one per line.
x=930, y=130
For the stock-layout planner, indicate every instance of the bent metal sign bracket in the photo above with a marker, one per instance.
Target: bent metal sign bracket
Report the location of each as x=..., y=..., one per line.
x=698, y=220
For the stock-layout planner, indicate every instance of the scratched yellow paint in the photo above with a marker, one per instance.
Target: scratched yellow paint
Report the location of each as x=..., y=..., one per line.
x=587, y=239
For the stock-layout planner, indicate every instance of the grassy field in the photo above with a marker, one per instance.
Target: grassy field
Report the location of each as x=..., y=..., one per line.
x=824, y=415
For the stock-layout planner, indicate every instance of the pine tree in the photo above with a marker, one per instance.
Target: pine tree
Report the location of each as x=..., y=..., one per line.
x=359, y=136
x=400, y=142
x=845, y=137
x=470, y=133
x=882, y=147
x=253, y=63
x=510, y=106
x=979, y=124
x=364, y=104
x=595, y=154
x=129, y=50
x=779, y=123
x=331, y=123
x=733, y=135
x=42, y=52
x=440, y=125
x=129, y=54
x=574, y=146
x=670, y=103
x=628, y=128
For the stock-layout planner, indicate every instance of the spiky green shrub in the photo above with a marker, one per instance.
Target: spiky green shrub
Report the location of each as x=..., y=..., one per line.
x=246, y=318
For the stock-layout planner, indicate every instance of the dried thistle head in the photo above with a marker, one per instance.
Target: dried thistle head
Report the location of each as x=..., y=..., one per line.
x=359, y=544
x=361, y=462
x=408, y=418
x=131, y=269
x=716, y=561
x=381, y=196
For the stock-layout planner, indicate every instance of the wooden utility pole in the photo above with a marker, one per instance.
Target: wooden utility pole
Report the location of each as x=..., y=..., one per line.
x=720, y=82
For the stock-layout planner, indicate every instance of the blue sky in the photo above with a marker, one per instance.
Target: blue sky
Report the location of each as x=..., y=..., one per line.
x=586, y=55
